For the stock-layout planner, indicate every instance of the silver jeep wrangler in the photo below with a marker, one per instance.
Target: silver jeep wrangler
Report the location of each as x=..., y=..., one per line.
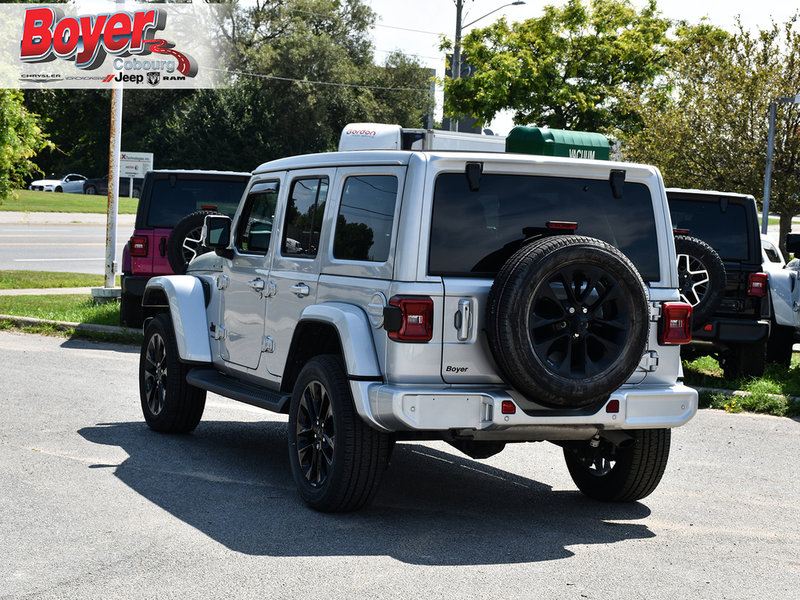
x=479, y=298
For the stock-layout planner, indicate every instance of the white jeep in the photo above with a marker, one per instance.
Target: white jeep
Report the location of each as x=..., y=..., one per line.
x=479, y=298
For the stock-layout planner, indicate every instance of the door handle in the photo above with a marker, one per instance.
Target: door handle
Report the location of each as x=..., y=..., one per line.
x=463, y=320
x=301, y=290
x=258, y=285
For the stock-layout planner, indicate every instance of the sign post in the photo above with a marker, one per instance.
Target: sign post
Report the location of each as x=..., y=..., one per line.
x=134, y=165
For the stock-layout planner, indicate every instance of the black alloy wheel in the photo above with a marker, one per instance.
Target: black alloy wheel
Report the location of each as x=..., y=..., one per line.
x=156, y=374
x=578, y=321
x=316, y=434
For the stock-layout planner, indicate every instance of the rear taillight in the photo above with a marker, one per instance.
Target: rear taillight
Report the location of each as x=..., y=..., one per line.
x=412, y=320
x=676, y=323
x=757, y=284
x=138, y=245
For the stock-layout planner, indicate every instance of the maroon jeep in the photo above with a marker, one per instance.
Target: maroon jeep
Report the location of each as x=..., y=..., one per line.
x=169, y=218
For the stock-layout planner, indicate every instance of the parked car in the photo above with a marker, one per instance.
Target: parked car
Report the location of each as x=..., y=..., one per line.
x=784, y=289
x=167, y=232
x=718, y=245
x=480, y=298
x=99, y=185
x=71, y=183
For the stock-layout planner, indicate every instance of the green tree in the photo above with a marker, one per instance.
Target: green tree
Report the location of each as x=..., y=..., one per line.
x=305, y=70
x=570, y=68
x=709, y=130
x=274, y=106
x=20, y=139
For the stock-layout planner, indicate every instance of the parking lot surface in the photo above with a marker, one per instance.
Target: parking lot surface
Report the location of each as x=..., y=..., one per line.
x=95, y=505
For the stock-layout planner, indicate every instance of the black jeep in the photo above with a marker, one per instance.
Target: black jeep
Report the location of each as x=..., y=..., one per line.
x=718, y=247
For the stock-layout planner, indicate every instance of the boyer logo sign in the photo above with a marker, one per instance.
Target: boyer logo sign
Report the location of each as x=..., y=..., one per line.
x=140, y=55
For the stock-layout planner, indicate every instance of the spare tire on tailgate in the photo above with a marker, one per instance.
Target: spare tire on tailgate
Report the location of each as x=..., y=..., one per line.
x=184, y=242
x=567, y=320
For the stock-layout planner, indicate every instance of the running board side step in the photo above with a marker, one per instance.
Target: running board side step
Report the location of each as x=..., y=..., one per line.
x=255, y=395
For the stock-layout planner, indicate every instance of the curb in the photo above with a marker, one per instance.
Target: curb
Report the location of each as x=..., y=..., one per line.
x=66, y=325
x=742, y=393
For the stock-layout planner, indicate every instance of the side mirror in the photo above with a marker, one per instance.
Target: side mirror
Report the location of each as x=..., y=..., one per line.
x=216, y=235
x=793, y=243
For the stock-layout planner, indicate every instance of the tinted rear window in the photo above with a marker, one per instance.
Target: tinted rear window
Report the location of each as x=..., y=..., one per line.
x=170, y=201
x=725, y=231
x=474, y=233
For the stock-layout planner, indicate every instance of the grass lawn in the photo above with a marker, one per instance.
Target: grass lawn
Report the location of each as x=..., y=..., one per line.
x=23, y=280
x=79, y=308
x=30, y=201
x=767, y=394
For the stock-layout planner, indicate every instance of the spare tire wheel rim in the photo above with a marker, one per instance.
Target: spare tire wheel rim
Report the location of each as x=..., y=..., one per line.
x=578, y=320
x=693, y=279
x=191, y=243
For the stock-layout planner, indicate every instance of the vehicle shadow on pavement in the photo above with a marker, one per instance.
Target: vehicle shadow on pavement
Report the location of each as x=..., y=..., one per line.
x=232, y=482
x=77, y=343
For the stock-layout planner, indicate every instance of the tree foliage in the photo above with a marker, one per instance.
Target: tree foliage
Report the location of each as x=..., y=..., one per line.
x=20, y=139
x=709, y=130
x=571, y=68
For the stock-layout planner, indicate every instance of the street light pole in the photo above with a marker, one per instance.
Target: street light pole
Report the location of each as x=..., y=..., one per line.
x=455, y=68
x=773, y=108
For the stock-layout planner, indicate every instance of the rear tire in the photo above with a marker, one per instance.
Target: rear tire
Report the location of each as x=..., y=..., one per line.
x=90, y=190
x=620, y=474
x=131, y=313
x=779, y=345
x=337, y=460
x=744, y=360
x=169, y=404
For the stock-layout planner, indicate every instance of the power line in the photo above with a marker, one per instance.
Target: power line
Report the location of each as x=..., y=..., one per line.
x=331, y=83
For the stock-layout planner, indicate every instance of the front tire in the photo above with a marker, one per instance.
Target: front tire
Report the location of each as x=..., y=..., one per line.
x=169, y=404
x=337, y=460
x=612, y=473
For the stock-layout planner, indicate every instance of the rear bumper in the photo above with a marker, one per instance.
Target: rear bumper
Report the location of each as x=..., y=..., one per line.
x=412, y=408
x=133, y=285
x=733, y=330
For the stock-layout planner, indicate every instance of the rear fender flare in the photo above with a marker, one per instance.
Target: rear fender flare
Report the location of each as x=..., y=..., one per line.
x=355, y=335
x=358, y=351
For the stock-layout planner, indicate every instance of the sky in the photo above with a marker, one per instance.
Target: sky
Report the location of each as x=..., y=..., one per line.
x=415, y=26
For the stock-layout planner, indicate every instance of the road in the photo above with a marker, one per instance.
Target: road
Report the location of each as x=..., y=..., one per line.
x=95, y=505
x=52, y=242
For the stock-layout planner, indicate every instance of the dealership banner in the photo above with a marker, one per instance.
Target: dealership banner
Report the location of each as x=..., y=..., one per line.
x=96, y=45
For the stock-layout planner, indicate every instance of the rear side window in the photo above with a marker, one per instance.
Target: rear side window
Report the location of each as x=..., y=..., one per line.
x=724, y=230
x=473, y=233
x=366, y=214
x=304, y=217
x=255, y=225
x=173, y=198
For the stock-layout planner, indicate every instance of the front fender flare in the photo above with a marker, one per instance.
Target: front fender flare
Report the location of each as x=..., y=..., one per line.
x=185, y=298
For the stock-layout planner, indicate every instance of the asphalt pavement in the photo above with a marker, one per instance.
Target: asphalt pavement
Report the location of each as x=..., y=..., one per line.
x=69, y=242
x=95, y=505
